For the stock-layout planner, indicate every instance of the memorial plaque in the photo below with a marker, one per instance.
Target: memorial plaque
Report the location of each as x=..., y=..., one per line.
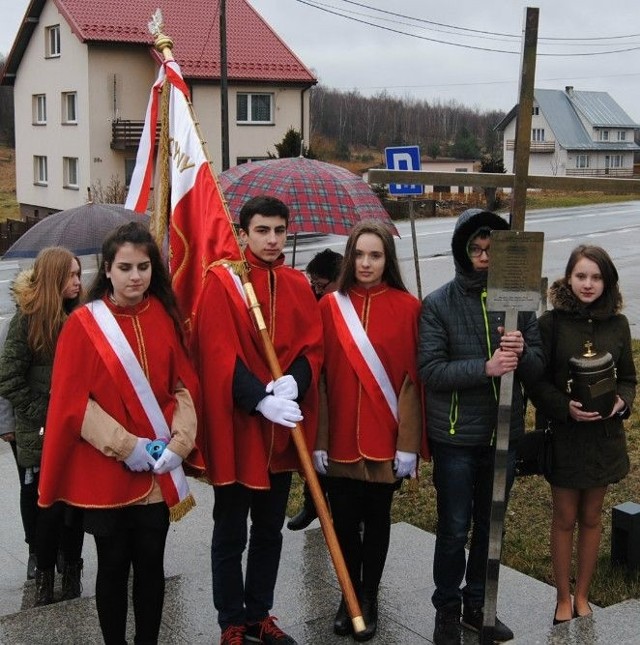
x=515, y=270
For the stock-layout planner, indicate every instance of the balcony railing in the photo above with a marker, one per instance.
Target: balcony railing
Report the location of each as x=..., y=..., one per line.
x=125, y=134
x=536, y=146
x=599, y=172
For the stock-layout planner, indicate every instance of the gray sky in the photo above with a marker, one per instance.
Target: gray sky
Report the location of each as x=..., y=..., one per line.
x=346, y=54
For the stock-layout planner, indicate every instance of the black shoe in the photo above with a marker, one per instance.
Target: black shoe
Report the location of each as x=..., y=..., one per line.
x=447, y=630
x=472, y=618
x=302, y=519
x=71, y=585
x=31, y=566
x=342, y=622
x=267, y=633
x=44, y=587
x=559, y=621
x=369, y=608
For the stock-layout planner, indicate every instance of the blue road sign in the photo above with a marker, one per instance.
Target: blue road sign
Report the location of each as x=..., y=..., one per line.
x=404, y=158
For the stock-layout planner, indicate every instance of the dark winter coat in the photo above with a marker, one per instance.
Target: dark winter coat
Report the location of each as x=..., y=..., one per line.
x=585, y=454
x=25, y=381
x=457, y=337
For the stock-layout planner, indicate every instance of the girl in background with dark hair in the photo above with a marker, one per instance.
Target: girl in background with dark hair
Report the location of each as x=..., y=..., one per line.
x=133, y=385
x=45, y=296
x=369, y=439
x=589, y=449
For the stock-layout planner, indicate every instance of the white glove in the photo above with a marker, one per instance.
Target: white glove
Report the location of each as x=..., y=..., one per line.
x=320, y=460
x=166, y=462
x=285, y=387
x=405, y=464
x=281, y=411
x=140, y=459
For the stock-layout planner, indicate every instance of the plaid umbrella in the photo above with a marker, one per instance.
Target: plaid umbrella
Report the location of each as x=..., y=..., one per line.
x=81, y=230
x=322, y=197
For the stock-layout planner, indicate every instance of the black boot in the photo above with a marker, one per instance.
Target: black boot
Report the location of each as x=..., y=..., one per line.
x=31, y=566
x=44, y=587
x=71, y=585
x=369, y=606
x=448, y=630
x=342, y=622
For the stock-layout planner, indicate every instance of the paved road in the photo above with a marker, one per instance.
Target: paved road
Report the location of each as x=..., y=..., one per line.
x=616, y=227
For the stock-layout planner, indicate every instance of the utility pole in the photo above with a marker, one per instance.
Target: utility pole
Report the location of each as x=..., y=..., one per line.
x=224, y=86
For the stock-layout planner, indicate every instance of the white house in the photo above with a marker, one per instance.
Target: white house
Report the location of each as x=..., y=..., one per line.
x=82, y=72
x=574, y=133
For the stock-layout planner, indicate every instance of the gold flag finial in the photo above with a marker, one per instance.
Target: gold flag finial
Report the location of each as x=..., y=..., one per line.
x=161, y=42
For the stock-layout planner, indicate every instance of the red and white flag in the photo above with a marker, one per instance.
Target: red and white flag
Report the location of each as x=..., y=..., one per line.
x=200, y=228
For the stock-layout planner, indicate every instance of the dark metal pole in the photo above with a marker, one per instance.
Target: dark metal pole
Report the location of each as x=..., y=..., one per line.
x=523, y=120
x=224, y=88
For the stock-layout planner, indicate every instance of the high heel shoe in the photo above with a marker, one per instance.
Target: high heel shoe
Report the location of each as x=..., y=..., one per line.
x=558, y=621
x=577, y=615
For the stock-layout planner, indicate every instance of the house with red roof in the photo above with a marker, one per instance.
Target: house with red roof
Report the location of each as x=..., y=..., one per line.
x=82, y=71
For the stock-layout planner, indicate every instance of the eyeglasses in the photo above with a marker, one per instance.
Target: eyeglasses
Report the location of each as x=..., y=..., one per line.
x=319, y=285
x=476, y=251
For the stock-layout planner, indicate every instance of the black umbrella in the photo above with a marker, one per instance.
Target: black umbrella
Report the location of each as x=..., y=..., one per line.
x=81, y=230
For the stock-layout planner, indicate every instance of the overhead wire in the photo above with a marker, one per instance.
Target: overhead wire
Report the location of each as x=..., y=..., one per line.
x=344, y=13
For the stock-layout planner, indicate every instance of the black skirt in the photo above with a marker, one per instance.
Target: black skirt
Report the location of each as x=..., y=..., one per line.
x=589, y=455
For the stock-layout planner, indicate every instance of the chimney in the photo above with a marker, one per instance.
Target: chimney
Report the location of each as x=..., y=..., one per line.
x=569, y=89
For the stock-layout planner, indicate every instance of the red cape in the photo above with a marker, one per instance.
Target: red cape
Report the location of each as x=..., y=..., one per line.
x=237, y=446
x=356, y=427
x=72, y=469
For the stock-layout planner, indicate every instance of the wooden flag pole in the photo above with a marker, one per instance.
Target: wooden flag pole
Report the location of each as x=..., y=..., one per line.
x=164, y=44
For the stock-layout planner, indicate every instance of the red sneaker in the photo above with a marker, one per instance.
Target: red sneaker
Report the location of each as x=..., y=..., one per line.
x=268, y=633
x=233, y=635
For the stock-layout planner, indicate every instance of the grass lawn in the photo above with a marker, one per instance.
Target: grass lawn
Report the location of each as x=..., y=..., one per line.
x=526, y=544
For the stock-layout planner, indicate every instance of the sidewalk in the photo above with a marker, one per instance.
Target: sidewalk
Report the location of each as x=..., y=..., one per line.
x=307, y=594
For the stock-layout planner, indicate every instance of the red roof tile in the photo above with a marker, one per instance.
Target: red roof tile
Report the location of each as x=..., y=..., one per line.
x=254, y=50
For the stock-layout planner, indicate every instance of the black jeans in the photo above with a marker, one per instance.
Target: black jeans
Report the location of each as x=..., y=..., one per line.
x=247, y=600
x=28, y=502
x=352, y=502
x=463, y=477
x=133, y=536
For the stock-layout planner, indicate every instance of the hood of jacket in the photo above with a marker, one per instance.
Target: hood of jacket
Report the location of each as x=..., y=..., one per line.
x=20, y=286
x=562, y=298
x=468, y=226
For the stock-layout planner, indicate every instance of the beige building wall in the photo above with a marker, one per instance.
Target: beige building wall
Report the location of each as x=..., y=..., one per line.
x=120, y=80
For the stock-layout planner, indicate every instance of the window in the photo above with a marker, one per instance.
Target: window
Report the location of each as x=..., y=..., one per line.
x=537, y=134
x=70, y=172
x=129, y=165
x=613, y=161
x=69, y=103
x=604, y=135
x=254, y=108
x=582, y=161
x=39, y=109
x=40, y=173
x=622, y=135
x=535, y=110
x=52, y=44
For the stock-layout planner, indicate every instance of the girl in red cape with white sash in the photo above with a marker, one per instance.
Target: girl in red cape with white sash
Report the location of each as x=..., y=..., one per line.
x=374, y=424
x=122, y=379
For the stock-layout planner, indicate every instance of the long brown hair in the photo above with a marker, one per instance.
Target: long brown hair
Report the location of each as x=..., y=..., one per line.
x=391, y=274
x=42, y=300
x=611, y=299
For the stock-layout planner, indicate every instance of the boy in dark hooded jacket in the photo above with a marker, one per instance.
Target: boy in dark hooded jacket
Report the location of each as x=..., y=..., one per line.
x=463, y=351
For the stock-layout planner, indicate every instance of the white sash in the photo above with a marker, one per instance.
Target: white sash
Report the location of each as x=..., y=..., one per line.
x=122, y=349
x=368, y=352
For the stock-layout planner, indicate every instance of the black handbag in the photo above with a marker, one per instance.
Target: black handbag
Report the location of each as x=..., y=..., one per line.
x=534, y=453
